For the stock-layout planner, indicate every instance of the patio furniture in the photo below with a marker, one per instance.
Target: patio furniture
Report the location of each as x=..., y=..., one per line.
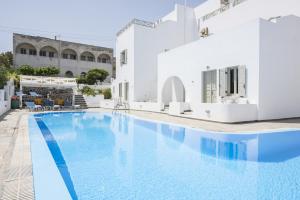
x=48, y=104
x=32, y=107
x=19, y=94
x=76, y=106
x=34, y=94
x=67, y=105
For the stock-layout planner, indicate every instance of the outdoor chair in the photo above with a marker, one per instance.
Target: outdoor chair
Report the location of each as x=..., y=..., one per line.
x=67, y=105
x=48, y=104
x=19, y=94
x=32, y=107
x=34, y=94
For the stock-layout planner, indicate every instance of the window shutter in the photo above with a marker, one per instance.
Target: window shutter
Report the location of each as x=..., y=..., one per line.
x=222, y=82
x=242, y=81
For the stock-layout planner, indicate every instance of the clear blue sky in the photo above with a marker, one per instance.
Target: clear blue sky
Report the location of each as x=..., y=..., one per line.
x=86, y=21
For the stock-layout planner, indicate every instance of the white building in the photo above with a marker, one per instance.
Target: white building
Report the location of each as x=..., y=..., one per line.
x=73, y=59
x=226, y=61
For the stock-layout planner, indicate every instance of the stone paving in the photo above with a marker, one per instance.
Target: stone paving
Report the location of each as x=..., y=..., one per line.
x=215, y=126
x=16, y=180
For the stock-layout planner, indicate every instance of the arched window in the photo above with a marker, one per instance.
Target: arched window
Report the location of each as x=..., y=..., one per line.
x=83, y=74
x=48, y=51
x=69, y=74
x=104, y=58
x=69, y=54
x=26, y=48
x=87, y=56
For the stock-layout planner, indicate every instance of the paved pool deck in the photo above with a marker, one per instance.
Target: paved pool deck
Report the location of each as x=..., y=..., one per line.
x=215, y=126
x=16, y=179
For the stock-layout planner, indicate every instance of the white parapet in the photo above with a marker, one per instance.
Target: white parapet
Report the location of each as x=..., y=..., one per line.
x=43, y=81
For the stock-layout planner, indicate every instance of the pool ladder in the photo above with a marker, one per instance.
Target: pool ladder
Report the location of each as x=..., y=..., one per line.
x=121, y=105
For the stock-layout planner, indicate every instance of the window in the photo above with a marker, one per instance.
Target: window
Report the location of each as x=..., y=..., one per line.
x=90, y=58
x=42, y=53
x=23, y=51
x=72, y=57
x=82, y=58
x=32, y=52
x=65, y=56
x=51, y=54
x=123, y=57
x=104, y=60
x=232, y=81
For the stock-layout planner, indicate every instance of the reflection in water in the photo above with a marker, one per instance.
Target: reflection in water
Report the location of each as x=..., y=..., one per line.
x=121, y=157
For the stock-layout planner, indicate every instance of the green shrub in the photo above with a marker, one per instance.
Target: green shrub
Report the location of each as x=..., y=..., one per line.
x=100, y=91
x=3, y=76
x=41, y=71
x=47, y=71
x=81, y=80
x=107, y=93
x=95, y=75
x=26, y=70
x=86, y=90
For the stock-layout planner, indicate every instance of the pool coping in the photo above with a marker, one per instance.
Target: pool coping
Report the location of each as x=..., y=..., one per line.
x=45, y=170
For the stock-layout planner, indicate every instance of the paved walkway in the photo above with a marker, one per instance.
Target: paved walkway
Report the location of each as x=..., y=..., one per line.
x=16, y=181
x=214, y=126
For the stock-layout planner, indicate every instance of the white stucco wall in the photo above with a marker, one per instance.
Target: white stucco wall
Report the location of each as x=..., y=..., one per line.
x=236, y=47
x=5, y=103
x=144, y=44
x=244, y=12
x=279, y=93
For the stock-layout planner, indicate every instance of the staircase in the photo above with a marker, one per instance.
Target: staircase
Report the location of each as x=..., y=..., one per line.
x=79, y=100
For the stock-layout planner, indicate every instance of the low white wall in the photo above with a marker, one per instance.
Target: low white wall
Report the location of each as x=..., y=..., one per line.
x=5, y=103
x=107, y=104
x=228, y=113
x=93, y=101
x=146, y=106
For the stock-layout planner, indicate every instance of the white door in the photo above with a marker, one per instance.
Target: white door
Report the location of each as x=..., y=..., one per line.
x=210, y=86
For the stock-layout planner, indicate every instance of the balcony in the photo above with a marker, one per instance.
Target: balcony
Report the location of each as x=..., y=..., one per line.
x=137, y=22
x=222, y=9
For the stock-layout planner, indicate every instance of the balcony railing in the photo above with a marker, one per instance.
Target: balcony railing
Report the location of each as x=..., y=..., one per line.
x=137, y=22
x=41, y=81
x=222, y=9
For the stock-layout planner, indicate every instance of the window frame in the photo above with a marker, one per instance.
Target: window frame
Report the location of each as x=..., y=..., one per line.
x=23, y=51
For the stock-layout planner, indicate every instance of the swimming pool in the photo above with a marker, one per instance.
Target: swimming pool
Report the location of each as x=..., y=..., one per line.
x=105, y=156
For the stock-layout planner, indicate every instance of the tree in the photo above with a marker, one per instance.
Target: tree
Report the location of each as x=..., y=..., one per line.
x=3, y=76
x=26, y=70
x=95, y=75
x=6, y=59
x=47, y=71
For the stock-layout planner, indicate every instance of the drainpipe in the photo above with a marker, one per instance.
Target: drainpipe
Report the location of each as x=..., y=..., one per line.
x=59, y=50
x=184, y=22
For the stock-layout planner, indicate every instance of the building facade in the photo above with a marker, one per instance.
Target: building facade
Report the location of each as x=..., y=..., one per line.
x=226, y=61
x=73, y=59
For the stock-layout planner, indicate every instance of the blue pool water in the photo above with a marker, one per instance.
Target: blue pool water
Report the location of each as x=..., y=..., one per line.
x=105, y=156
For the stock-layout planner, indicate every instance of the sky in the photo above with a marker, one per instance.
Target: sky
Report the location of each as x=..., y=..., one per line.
x=93, y=22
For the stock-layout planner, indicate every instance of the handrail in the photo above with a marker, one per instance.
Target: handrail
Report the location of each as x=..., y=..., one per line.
x=222, y=9
x=137, y=22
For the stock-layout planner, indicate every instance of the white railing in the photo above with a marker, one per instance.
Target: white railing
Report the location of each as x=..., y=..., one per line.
x=47, y=81
x=137, y=22
x=222, y=9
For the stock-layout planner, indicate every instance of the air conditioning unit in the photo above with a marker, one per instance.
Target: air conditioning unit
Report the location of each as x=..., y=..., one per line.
x=204, y=32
